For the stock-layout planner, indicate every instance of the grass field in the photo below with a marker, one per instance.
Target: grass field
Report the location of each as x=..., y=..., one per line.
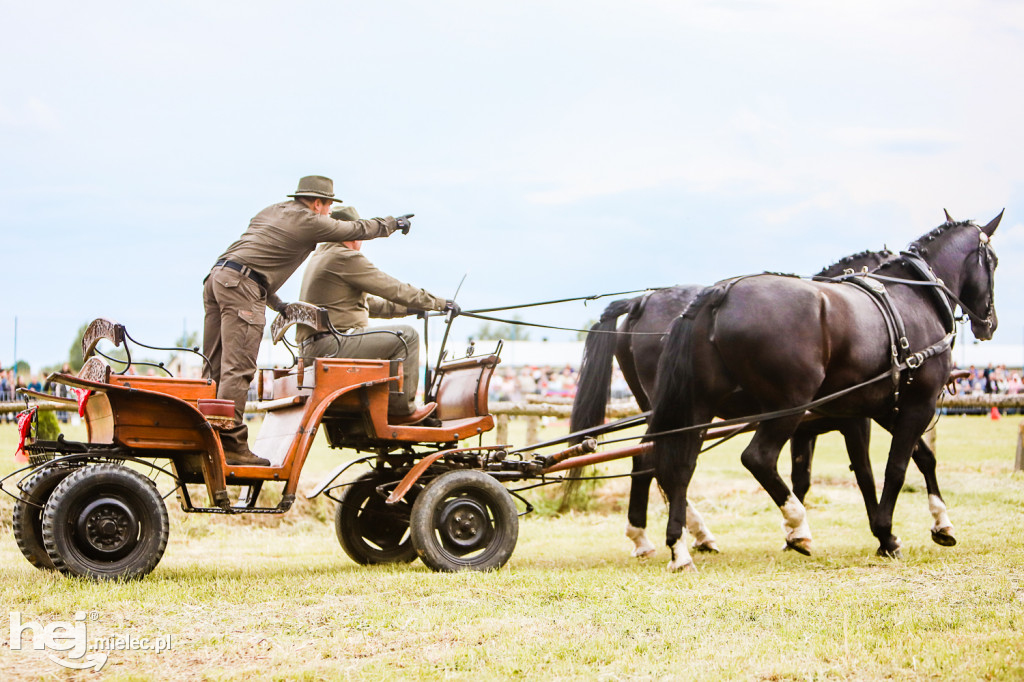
x=276, y=598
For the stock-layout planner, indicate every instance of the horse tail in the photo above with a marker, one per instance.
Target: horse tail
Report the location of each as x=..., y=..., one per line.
x=674, y=402
x=593, y=385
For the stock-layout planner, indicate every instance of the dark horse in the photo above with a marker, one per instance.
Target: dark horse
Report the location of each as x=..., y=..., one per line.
x=637, y=344
x=783, y=345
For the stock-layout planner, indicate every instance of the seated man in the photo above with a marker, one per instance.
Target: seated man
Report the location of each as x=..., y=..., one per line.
x=345, y=282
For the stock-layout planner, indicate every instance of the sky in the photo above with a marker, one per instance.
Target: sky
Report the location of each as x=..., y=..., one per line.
x=548, y=149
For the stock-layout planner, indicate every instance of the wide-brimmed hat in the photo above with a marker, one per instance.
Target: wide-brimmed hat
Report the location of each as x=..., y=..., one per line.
x=315, y=187
x=339, y=212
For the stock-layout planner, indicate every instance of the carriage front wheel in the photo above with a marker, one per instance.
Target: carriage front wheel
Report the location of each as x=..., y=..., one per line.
x=464, y=520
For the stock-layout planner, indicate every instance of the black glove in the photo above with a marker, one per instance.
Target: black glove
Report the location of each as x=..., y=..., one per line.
x=403, y=222
x=452, y=307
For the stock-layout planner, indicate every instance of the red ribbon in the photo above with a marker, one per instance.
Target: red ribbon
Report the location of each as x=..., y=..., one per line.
x=83, y=397
x=25, y=419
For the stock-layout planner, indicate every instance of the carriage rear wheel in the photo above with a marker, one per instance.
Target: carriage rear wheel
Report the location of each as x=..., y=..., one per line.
x=105, y=521
x=28, y=513
x=370, y=530
x=464, y=520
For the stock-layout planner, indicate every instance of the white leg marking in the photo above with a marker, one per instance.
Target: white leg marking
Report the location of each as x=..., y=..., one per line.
x=642, y=547
x=681, y=559
x=794, y=524
x=702, y=537
x=938, y=510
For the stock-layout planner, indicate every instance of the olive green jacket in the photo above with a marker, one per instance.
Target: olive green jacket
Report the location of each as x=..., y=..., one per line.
x=352, y=289
x=281, y=236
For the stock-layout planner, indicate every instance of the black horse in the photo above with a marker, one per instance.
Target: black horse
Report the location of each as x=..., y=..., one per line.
x=783, y=345
x=637, y=344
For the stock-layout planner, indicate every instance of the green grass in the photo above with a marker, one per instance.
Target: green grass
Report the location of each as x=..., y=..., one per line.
x=276, y=598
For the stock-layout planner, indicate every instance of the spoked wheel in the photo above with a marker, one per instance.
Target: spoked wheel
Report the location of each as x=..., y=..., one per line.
x=464, y=520
x=369, y=530
x=28, y=513
x=105, y=521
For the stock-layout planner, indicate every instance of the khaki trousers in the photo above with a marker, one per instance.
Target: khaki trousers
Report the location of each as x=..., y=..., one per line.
x=387, y=342
x=235, y=317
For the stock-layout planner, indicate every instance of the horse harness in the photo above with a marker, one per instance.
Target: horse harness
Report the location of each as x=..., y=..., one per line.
x=900, y=355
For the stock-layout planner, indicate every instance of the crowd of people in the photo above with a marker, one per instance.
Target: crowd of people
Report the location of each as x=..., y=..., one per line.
x=10, y=382
x=990, y=380
x=513, y=384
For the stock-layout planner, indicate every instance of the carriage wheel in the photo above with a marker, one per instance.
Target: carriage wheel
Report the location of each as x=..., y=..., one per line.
x=105, y=521
x=464, y=520
x=28, y=514
x=369, y=530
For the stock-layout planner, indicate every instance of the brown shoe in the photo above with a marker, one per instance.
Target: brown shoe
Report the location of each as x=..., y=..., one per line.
x=245, y=459
x=414, y=418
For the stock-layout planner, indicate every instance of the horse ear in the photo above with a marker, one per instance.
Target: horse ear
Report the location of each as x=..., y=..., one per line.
x=949, y=219
x=991, y=227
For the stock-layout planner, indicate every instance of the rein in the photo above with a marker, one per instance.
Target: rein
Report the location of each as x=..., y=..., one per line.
x=594, y=297
x=520, y=323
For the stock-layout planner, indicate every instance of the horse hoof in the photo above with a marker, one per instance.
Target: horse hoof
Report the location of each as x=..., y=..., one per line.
x=894, y=553
x=801, y=545
x=708, y=546
x=943, y=536
x=688, y=567
x=641, y=553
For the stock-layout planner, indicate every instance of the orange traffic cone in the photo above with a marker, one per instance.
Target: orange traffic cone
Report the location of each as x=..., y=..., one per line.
x=994, y=414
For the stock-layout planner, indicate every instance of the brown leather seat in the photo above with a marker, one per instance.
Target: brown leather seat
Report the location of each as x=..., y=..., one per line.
x=220, y=413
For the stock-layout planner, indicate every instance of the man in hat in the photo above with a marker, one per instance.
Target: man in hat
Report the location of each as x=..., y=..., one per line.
x=245, y=280
x=345, y=282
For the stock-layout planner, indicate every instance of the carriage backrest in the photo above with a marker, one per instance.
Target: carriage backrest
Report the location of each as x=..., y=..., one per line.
x=299, y=313
x=99, y=329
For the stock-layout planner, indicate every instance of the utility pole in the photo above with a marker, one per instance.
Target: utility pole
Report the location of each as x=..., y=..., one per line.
x=15, y=363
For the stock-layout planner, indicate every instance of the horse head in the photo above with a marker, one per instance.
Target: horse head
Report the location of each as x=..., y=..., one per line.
x=961, y=255
x=978, y=291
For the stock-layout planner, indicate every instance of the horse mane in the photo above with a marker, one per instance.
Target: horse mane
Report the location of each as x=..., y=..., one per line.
x=882, y=255
x=920, y=245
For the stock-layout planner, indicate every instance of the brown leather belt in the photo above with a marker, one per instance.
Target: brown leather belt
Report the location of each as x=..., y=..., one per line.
x=323, y=335
x=245, y=270
x=316, y=337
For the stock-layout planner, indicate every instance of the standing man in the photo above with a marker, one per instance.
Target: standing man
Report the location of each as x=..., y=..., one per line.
x=245, y=279
x=345, y=282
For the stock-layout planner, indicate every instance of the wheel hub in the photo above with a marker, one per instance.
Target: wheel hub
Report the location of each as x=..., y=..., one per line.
x=107, y=528
x=465, y=526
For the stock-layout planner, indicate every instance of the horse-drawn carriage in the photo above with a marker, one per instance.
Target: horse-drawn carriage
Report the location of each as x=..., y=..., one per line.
x=93, y=508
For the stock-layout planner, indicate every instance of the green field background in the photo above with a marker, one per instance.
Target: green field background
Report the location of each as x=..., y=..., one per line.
x=275, y=598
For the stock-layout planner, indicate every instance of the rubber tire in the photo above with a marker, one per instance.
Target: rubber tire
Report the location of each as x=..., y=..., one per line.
x=490, y=536
x=27, y=520
x=115, y=486
x=369, y=530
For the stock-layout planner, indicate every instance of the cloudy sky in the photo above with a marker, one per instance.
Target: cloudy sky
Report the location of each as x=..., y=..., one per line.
x=548, y=149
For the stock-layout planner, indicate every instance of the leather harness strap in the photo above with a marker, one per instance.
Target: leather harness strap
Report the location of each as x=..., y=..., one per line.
x=898, y=344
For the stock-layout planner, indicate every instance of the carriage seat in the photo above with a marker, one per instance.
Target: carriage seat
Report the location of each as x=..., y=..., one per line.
x=220, y=413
